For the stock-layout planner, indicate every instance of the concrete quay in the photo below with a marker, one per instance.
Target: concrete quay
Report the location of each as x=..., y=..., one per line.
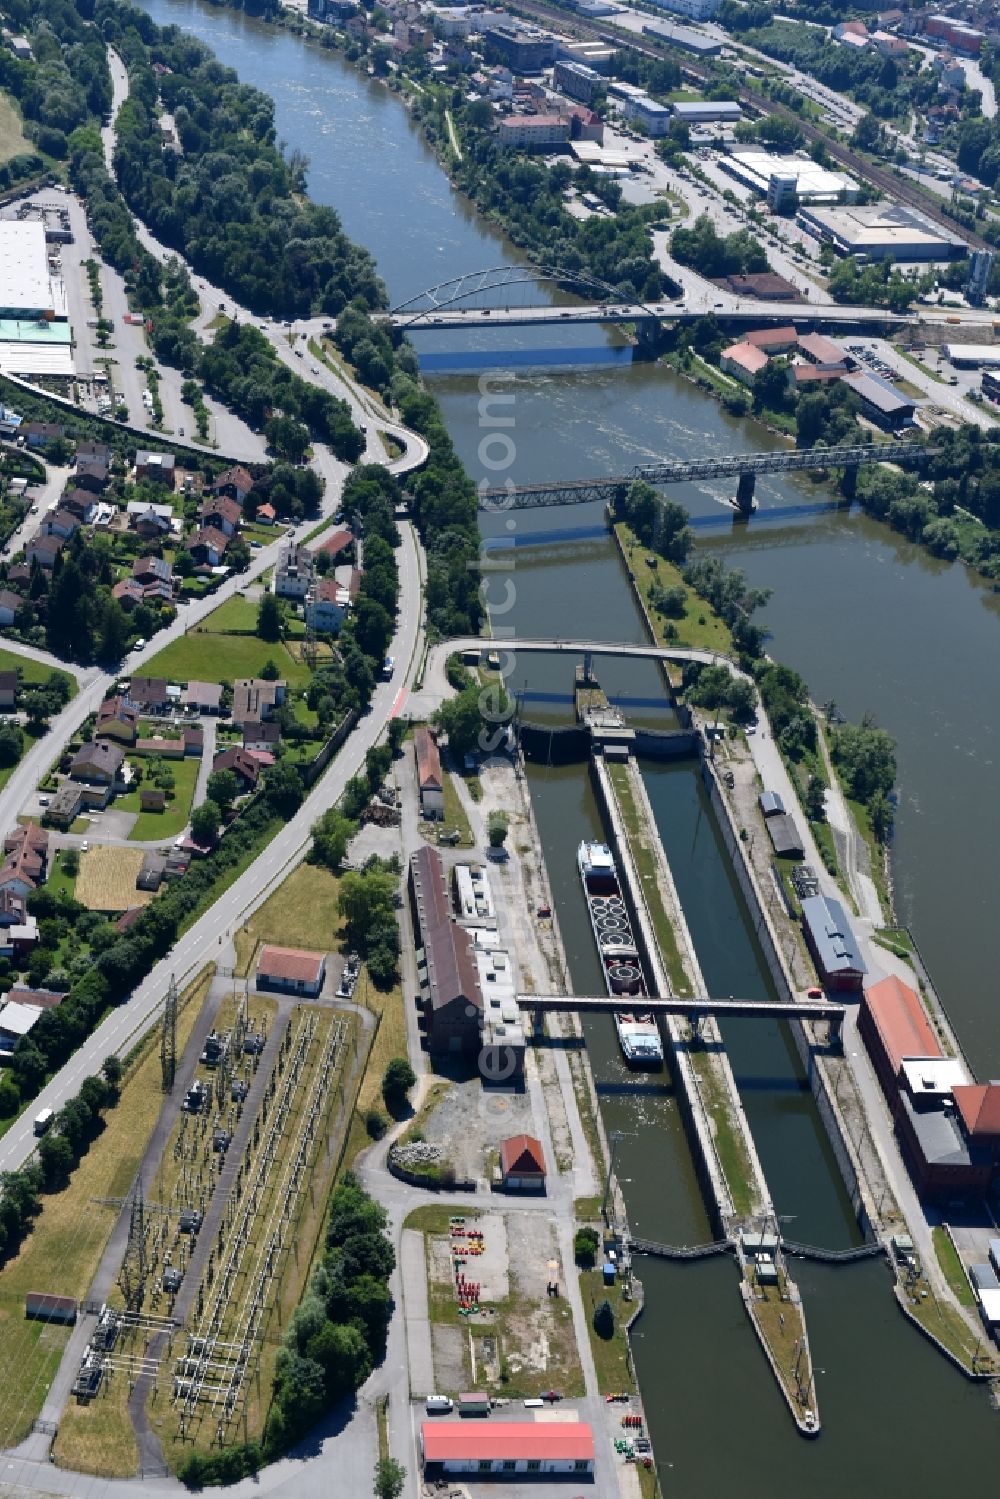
x=691, y=1052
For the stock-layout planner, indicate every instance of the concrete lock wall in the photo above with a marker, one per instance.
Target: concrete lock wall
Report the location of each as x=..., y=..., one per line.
x=819, y=1082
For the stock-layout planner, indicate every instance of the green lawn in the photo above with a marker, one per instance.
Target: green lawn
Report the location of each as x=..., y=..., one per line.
x=12, y=137
x=954, y=1272
x=700, y=627
x=32, y=671
x=204, y=657
x=173, y=819
x=58, y=879
x=236, y=614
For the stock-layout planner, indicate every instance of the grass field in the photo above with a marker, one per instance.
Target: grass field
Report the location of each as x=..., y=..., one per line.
x=106, y=881
x=238, y=613
x=302, y=912
x=174, y=817
x=32, y=671
x=700, y=627
x=206, y=657
x=59, y=881
x=63, y=1251
x=12, y=138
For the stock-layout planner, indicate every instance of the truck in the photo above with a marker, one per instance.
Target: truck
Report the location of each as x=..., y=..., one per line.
x=43, y=1120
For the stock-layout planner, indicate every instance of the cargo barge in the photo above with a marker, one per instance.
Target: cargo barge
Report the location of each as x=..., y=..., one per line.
x=638, y=1033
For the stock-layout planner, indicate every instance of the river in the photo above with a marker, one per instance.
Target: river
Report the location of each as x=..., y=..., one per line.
x=869, y=621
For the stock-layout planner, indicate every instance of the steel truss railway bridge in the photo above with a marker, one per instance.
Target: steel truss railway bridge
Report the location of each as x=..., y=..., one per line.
x=744, y=467
x=693, y=1010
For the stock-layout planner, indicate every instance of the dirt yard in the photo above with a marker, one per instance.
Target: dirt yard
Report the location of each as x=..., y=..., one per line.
x=106, y=881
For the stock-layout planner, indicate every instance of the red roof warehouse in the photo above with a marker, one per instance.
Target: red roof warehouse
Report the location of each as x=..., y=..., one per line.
x=531, y=1446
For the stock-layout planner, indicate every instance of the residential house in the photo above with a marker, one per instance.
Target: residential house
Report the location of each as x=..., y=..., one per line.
x=8, y=691
x=26, y=853
x=266, y=515
x=203, y=697
x=64, y=807
x=152, y=570
x=15, y=1021
x=193, y=736
x=100, y=761
x=430, y=780
x=209, y=546
x=294, y=574
x=151, y=524
x=88, y=451
x=743, y=361
x=255, y=698
x=79, y=503
x=92, y=476
x=151, y=871
x=149, y=694
x=160, y=467
x=241, y=763
x=326, y=606
x=335, y=543
x=42, y=999
x=40, y=434
x=522, y=1164
x=117, y=719
x=60, y=522
x=128, y=593
x=221, y=513
x=10, y=603
x=234, y=483
x=258, y=735
x=19, y=939
x=44, y=550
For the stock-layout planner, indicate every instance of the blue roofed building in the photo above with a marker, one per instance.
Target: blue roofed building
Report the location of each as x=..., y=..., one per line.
x=832, y=943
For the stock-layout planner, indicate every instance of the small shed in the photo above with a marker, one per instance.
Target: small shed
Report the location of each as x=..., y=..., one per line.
x=771, y=804
x=785, y=836
x=152, y=799
x=522, y=1165
x=41, y=1306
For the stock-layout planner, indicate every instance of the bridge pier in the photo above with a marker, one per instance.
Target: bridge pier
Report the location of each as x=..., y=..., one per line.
x=745, y=502
x=849, y=482
x=648, y=338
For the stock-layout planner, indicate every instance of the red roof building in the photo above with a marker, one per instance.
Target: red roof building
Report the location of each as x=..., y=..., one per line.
x=507, y=1446
x=522, y=1164
x=893, y=1024
x=338, y=542
x=979, y=1106
x=429, y=777
x=292, y=970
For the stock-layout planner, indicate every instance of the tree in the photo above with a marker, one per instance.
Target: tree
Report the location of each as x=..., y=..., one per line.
x=880, y=815
x=397, y=733
x=269, y=617
x=497, y=826
x=770, y=386
x=604, y=1320
x=586, y=1243
x=390, y=1478
x=815, y=799
x=11, y=743
x=71, y=861
x=205, y=823
x=331, y=835
x=222, y=787
x=397, y=1080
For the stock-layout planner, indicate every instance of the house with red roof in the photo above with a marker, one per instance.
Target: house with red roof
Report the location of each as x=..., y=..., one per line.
x=522, y=1164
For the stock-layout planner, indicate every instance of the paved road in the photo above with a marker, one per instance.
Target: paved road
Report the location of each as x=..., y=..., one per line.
x=43, y=500
x=202, y=942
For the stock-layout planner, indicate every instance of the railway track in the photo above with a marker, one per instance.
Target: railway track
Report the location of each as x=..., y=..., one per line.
x=886, y=181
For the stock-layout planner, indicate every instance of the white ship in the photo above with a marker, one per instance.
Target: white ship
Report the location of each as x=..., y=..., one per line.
x=638, y=1033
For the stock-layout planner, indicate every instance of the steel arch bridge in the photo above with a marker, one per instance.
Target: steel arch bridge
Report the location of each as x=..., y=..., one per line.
x=461, y=290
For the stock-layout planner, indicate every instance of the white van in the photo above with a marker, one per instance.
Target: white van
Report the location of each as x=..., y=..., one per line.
x=42, y=1121
x=438, y=1405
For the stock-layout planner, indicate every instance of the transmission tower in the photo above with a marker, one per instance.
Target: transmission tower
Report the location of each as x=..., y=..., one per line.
x=134, y=1270
x=168, y=1039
